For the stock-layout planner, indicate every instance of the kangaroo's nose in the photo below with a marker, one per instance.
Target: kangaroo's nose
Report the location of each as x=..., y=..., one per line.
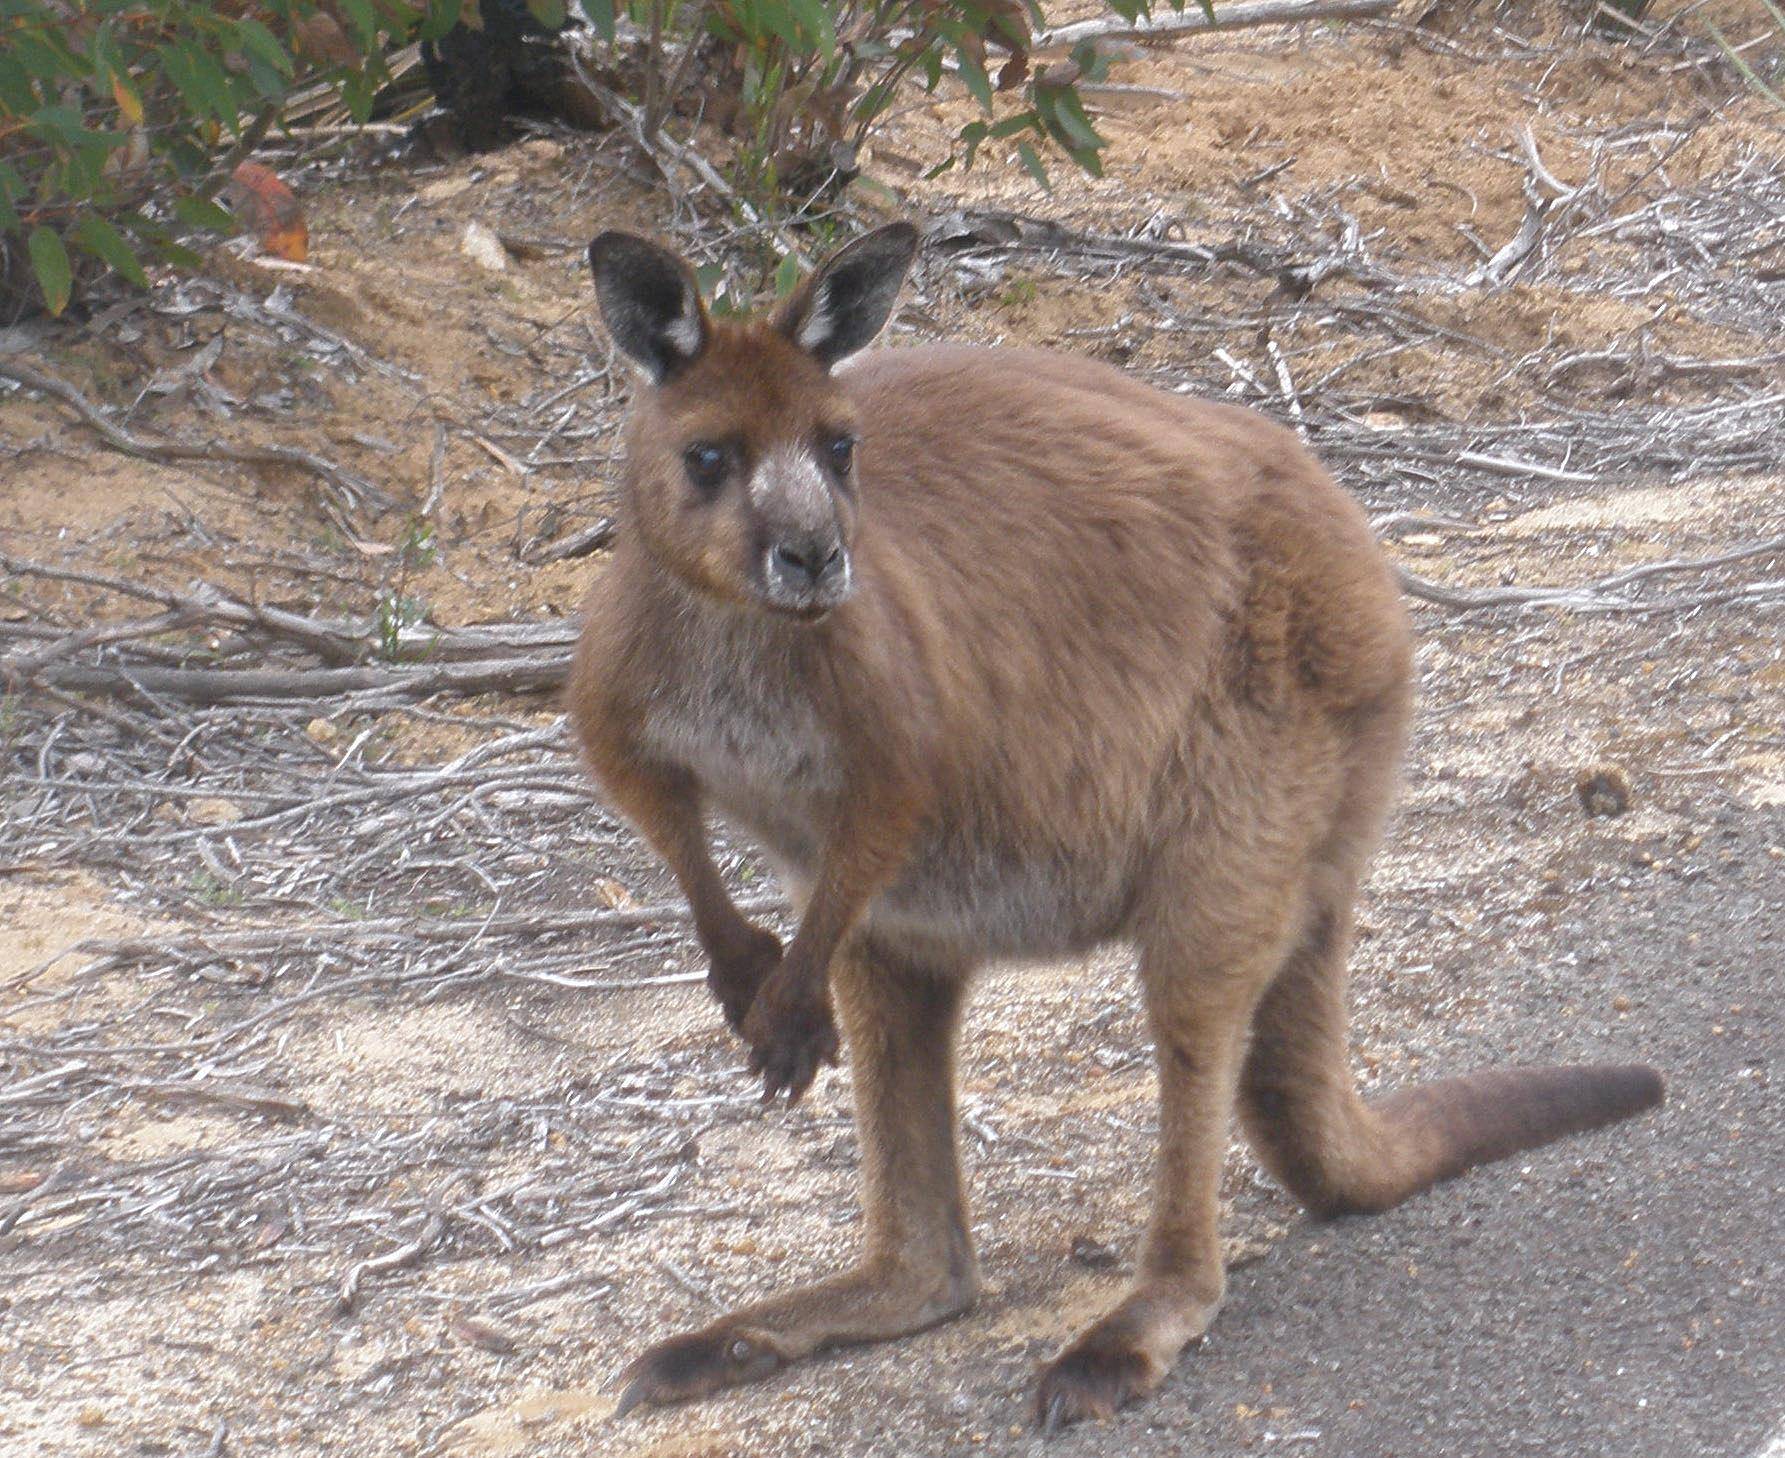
x=805, y=562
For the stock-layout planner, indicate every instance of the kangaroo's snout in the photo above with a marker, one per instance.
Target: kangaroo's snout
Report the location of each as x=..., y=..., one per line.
x=807, y=572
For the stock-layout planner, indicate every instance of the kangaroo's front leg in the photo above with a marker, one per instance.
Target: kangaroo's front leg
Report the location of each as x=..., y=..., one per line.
x=789, y=1027
x=917, y=1266
x=664, y=803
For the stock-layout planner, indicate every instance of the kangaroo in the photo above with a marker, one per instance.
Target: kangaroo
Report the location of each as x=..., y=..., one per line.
x=1000, y=653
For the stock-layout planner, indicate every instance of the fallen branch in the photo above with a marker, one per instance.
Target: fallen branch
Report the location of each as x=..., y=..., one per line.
x=1600, y=595
x=1242, y=16
x=575, y=544
x=517, y=675
x=403, y=1255
x=1296, y=277
x=487, y=658
x=1512, y=254
x=263, y=941
x=349, y=491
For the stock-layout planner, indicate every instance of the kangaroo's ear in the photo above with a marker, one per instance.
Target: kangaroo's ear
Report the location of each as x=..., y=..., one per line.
x=649, y=301
x=843, y=305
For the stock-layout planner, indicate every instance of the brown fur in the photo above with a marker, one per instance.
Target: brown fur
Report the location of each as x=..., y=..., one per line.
x=1117, y=666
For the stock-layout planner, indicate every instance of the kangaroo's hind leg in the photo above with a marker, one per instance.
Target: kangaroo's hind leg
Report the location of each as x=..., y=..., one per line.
x=917, y=1266
x=1226, y=902
x=1201, y=975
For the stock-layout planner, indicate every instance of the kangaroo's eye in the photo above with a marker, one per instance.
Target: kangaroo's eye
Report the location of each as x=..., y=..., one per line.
x=842, y=454
x=706, y=464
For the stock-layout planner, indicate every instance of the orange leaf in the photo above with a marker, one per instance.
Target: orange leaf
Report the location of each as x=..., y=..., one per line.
x=128, y=101
x=270, y=209
x=291, y=244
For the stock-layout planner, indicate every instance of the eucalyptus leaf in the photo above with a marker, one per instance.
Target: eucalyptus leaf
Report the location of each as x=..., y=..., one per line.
x=106, y=243
x=49, y=262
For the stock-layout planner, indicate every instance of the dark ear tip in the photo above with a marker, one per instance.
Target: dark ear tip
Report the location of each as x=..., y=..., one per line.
x=605, y=247
x=902, y=236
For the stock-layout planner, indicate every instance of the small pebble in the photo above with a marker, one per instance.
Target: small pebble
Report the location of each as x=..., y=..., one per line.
x=1603, y=790
x=1092, y=1253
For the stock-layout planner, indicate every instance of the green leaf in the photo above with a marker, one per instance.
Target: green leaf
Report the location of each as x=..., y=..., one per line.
x=37, y=59
x=108, y=58
x=202, y=213
x=707, y=278
x=438, y=17
x=257, y=40
x=601, y=16
x=16, y=93
x=187, y=158
x=1063, y=116
x=973, y=73
x=176, y=65
x=819, y=30
x=268, y=82
x=358, y=92
x=49, y=261
x=549, y=13
x=401, y=17
x=11, y=186
x=106, y=243
x=156, y=238
x=364, y=22
x=65, y=125
x=1064, y=108
x=1033, y=163
x=213, y=85
x=1022, y=121
x=73, y=63
x=873, y=101
x=1091, y=59
x=969, y=136
x=778, y=18
x=787, y=276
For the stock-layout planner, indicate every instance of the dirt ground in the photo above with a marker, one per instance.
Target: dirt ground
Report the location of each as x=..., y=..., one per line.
x=356, y=1092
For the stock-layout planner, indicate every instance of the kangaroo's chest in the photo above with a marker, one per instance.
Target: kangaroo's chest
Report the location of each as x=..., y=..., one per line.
x=757, y=745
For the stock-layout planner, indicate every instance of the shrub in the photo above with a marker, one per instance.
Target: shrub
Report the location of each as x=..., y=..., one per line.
x=802, y=83
x=120, y=119
x=112, y=113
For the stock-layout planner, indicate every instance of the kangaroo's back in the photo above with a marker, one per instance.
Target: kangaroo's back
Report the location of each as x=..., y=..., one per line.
x=1053, y=502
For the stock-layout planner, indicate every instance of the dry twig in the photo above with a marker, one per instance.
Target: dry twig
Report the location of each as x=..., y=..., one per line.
x=1239, y=16
x=349, y=492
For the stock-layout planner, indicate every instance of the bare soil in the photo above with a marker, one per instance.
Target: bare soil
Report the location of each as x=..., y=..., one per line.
x=401, y=1178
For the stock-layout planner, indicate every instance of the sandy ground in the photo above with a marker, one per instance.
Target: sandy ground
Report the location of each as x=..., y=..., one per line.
x=1616, y=1295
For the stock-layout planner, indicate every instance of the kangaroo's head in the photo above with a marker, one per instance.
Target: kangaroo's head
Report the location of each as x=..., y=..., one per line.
x=741, y=453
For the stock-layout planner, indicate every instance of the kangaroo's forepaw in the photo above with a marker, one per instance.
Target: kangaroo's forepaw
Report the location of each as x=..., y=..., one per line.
x=789, y=1038
x=694, y=1365
x=737, y=972
x=1091, y=1379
